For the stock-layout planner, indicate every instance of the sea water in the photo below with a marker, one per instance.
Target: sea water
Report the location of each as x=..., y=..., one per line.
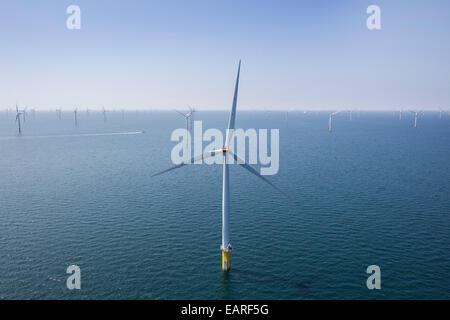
x=375, y=191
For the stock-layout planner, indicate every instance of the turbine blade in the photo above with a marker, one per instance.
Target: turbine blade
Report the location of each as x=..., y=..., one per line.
x=232, y=120
x=180, y=113
x=252, y=170
x=192, y=160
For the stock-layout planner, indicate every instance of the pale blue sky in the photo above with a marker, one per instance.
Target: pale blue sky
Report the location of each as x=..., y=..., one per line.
x=169, y=54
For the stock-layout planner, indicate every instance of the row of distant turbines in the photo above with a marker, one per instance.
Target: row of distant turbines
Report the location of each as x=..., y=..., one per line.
x=75, y=114
x=189, y=115
x=350, y=112
x=21, y=113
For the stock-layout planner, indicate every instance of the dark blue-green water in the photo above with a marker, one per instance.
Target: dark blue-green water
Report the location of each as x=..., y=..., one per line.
x=375, y=191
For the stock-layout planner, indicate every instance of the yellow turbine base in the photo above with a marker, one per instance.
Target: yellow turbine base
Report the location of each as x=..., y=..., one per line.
x=225, y=260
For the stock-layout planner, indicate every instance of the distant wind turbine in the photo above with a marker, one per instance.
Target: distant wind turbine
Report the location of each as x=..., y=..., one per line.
x=416, y=114
x=192, y=116
x=24, y=112
x=104, y=115
x=330, y=121
x=225, y=246
x=187, y=116
x=75, y=114
x=18, y=113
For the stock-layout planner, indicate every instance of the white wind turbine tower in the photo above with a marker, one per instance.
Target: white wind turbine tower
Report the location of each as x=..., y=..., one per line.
x=104, y=115
x=18, y=113
x=192, y=115
x=225, y=246
x=24, y=113
x=75, y=114
x=401, y=112
x=187, y=116
x=58, y=113
x=416, y=114
x=330, y=121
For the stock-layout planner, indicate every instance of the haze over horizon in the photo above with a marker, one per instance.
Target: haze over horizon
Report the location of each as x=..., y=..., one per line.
x=308, y=55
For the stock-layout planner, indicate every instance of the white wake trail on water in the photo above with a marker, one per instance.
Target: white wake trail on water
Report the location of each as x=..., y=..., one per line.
x=74, y=135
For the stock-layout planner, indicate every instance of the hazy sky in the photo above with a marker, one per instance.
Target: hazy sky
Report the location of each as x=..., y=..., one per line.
x=170, y=54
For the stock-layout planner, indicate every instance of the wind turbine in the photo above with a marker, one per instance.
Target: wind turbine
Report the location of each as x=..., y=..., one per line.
x=104, y=115
x=58, y=113
x=123, y=114
x=75, y=114
x=187, y=116
x=192, y=115
x=330, y=122
x=401, y=112
x=24, y=112
x=18, y=113
x=415, y=117
x=225, y=246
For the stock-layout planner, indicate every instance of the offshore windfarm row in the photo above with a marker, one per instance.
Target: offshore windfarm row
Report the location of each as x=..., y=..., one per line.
x=22, y=115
